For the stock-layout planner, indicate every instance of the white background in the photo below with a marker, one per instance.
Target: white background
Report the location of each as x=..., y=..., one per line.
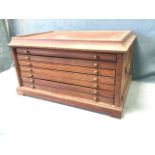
x=34, y=126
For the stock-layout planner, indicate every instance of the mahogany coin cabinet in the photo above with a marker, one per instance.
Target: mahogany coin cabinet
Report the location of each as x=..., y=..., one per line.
x=86, y=69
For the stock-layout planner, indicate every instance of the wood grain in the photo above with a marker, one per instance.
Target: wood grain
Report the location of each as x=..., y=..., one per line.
x=17, y=66
x=104, y=41
x=62, y=92
x=102, y=92
x=72, y=62
x=99, y=107
x=61, y=79
x=69, y=90
x=69, y=54
x=75, y=69
x=106, y=80
x=105, y=100
x=118, y=79
x=89, y=70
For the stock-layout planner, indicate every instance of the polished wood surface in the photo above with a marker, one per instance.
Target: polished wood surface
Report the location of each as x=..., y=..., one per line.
x=100, y=41
x=99, y=107
x=85, y=76
x=69, y=54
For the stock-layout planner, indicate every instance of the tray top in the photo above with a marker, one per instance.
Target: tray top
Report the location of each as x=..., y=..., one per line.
x=82, y=35
x=117, y=41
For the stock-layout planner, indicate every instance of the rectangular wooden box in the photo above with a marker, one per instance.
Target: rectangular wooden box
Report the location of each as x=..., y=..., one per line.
x=86, y=69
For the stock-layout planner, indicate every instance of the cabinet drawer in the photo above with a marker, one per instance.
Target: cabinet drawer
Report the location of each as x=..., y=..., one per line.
x=63, y=92
x=106, y=72
x=106, y=80
x=92, y=81
x=35, y=83
x=105, y=93
x=75, y=69
x=63, y=86
x=65, y=61
x=69, y=75
x=59, y=67
x=106, y=86
x=101, y=79
x=69, y=54
x=59, y=79
x=91, y=97
x=92, y=84
x=68, y=87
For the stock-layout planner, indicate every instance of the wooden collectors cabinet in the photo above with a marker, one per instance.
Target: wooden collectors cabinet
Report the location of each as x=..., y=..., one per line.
x=85, y=69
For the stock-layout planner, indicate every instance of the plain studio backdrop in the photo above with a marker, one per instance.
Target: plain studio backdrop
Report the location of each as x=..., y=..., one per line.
x=33, y=126
x=143, y=54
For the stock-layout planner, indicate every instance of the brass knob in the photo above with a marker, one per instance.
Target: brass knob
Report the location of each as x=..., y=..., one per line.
x=95, y=98
x=25, y=52
x=28, y=64
x=31, y=80
x=30, y=76
x=95, y=64
x=95, y=78
x=95, y=71
x=95, y=57
x=95, y=85
x=29, y=69
x=32, y=86
x=95, y=92
x=26, y=57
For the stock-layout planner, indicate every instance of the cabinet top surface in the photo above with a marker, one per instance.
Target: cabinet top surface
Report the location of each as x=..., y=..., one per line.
x=118, y=41
x=81, y=35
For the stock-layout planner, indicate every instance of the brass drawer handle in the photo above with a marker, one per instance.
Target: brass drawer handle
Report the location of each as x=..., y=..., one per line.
x=95, y=85
x=29, y=69
x=26, y=52
x=30, y=76
x=95, y=57
x=95, y=98
x=28, y=64
x=95, y=92
x=32, y=86
x=26, y=57
x=31, y=80
x=95, y=72
x=95, y=64
x=95, y=79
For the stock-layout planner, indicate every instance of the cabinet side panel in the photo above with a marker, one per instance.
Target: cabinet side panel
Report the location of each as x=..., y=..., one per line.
x=126, y=74
x=14, y=55
x=118, y=79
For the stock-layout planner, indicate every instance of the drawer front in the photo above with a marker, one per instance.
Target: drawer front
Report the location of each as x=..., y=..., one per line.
x=106, y=80
x=69, y=54
x=60, y=67
x=71, y=62
x=60, y=91
x=77, y=91
x=63, y=74
x=68, y=77
x=83, y=75
x=68, y=68
x=60, y=79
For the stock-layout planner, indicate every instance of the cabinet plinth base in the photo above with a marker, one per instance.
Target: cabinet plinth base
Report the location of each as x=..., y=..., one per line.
x=104, y=108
